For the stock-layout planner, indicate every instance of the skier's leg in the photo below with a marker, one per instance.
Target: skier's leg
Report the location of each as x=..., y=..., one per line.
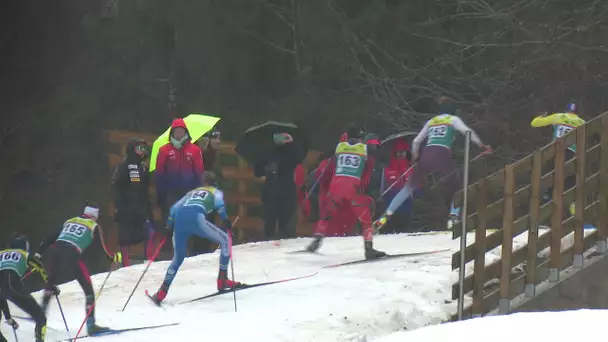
x=210, y=231
x=331, y=203
x=12, y=289
x=180, y=248
x=82, y=275
x=362, y=207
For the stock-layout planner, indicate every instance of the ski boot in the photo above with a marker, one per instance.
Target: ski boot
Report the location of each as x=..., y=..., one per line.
x=315, y=244
x=94, y=329
x=160, y=295
x=225, y=284
x=371, y=253
x=380, y=222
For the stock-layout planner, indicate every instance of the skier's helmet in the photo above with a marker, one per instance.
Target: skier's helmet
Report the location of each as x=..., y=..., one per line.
x=209, y=178
x=19, y=241
x=356, y=133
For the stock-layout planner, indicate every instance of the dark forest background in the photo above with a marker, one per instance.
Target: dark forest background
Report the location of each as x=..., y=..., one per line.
x=70, y=69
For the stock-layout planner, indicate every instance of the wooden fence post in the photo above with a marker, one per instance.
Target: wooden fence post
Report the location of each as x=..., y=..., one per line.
x=579, y=207
x=507, y=240
x=602, y=229
x=558, y=211
x=535, y=182
x=480, y=250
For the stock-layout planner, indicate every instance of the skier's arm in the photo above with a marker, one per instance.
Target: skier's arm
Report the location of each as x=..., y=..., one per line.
x=99, y=232
x=220, y=207
x=458, y=124
x=418, y=140
x=542, y=121
x=49, y=240
x=36, y=265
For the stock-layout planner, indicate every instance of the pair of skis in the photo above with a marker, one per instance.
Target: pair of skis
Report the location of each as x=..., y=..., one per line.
x=249, y=286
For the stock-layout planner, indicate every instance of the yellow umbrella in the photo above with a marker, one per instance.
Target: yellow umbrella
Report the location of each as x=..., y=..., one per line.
x=197, y=125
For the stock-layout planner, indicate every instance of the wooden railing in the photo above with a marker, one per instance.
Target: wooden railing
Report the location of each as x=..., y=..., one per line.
x=512, y=197
x=242, y=189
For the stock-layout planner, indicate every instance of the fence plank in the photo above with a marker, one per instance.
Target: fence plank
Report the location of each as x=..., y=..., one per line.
x=480, y=245
x=533, y=226
x=558, y=210
x=603, y=217
x=581, y=167
x=507, y=238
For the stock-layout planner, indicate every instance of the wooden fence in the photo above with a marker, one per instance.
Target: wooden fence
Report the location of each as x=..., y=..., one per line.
x=242, y=189
x=513, y=197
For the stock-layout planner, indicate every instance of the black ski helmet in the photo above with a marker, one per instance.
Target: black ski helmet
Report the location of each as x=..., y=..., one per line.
x=19, y=241
x=356, y=133
x=209, y=178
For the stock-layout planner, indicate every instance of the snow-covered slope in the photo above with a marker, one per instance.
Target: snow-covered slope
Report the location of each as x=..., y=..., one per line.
x=563, y=326
x=351, y=303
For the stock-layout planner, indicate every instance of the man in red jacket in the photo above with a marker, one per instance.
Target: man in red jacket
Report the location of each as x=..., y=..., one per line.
x=179, y=167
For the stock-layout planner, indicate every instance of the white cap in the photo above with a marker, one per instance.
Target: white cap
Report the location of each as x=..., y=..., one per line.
x=91, y=211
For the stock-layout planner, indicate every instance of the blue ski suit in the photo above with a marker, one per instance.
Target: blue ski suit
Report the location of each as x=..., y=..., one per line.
x=188, y=217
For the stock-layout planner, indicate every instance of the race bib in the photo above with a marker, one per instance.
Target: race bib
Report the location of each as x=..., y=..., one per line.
x=562, y=130
x=352, y=161
x=74, y=229
x=438, y=131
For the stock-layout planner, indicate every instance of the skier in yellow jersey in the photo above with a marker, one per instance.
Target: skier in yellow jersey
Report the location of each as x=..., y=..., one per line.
x=563, y=123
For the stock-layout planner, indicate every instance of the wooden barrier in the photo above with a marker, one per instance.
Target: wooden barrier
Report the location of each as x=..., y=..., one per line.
x=513, y=195
x=242, y=189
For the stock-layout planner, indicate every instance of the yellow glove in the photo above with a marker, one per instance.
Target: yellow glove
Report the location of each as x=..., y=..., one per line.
x=117, y=257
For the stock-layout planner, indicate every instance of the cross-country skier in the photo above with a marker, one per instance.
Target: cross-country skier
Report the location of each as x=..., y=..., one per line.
x=188, y=217
x=563, y=123
x=14, y=263
x=64, y=259
x=437, y=158
x=351, y=169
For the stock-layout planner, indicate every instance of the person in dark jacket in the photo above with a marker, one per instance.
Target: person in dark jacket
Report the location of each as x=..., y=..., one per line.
x=134, y=218
x=279, y=194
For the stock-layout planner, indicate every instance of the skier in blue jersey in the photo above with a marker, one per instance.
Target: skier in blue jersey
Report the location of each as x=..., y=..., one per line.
x=187, y=217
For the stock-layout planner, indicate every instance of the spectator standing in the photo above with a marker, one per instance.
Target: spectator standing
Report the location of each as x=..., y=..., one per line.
x=179, y=167
x=279, y=194
x=133, y=212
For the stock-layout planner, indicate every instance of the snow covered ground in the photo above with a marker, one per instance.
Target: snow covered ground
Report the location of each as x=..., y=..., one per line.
x=564, y=326
x=351, y=303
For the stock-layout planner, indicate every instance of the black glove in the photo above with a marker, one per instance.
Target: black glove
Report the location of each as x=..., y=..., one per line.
x=52, y=289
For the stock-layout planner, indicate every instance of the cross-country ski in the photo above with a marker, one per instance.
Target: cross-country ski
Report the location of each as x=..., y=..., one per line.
x=120, y=331
x=386, y=257
x=248, y=286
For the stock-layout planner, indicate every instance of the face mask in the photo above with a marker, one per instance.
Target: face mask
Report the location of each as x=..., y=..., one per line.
x=178, y=143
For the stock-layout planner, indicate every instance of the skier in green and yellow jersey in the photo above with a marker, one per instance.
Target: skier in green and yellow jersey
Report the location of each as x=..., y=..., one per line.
x=563, y=123
x=65, y=260
x=437, y=158
x=14, y=263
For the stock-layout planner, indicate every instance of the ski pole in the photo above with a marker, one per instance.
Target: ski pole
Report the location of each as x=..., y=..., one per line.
x=145, y=271
x=104, y=282
x=232, y=263
x=93, y=306
x=15, y=333
x=62, y=315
